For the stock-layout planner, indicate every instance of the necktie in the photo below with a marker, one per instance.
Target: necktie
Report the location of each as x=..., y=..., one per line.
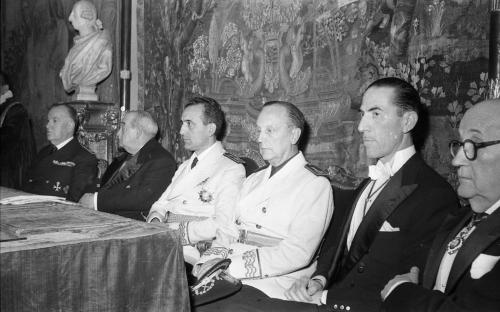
x=195, y=161
x=458, y=241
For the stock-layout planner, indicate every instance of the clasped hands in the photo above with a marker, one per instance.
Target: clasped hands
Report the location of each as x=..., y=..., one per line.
x=306, y=290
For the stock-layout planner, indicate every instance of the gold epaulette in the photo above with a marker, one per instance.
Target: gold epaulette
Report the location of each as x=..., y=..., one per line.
x=234, y=158
x=317, y=171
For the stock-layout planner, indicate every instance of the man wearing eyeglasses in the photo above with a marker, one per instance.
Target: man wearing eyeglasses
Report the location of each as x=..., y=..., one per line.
x=462, y=271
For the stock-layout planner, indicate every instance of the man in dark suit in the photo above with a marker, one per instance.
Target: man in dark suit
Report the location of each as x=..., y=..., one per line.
x=17, y=142
x=463, y=271
x=63, y=168
x=136, y=180
x=390, y=225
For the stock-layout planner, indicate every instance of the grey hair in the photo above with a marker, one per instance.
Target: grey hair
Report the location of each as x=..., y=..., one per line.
x=145, y=122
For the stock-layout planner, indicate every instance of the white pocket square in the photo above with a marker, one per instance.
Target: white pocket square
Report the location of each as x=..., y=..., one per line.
x=387, y=227
x=482, y=265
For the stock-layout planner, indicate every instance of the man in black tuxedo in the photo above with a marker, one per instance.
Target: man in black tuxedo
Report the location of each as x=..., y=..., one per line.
x=134, y=181
x=462, y=272
x=17, y=143
x=63, y=168
x=391, y=224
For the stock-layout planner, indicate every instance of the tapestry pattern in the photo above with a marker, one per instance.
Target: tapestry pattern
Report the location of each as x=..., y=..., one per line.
x=320, y=55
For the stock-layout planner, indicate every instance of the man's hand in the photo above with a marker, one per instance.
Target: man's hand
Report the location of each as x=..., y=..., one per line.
x=154, y=217
x=201, y=269
x=305, y=290
x=87, y=200
x=410, y=277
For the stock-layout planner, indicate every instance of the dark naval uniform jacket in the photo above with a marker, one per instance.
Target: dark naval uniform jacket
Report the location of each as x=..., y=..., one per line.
x=132, y=184
x=68, y=172
x=473, y=283
x=414, y=202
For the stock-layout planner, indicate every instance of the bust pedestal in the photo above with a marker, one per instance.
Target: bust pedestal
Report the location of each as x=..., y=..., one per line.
x=86, y=93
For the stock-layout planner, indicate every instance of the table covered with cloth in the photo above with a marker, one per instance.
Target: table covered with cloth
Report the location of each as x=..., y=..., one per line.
x=58, y=256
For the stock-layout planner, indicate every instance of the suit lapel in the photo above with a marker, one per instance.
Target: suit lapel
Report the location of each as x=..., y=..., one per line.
x=345, y=231
x=451, y=226
x=486, y=233
x=397, y=189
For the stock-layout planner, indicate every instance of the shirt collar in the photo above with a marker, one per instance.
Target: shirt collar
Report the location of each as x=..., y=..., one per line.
x=204, y=153
x=278, y=168
x=493, y=207
x=62, y=144
x=383, y=171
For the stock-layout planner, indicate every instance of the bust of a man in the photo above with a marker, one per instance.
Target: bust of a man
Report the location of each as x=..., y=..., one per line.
x=90, y=59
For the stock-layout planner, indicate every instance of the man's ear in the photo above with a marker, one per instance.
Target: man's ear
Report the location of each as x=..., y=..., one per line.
x=410, y=119
x=211, y=128
x=295, y=135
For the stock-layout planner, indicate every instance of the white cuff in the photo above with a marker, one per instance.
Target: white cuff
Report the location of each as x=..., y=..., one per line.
x=394, y=287
x=95, y=201
x=324, y=294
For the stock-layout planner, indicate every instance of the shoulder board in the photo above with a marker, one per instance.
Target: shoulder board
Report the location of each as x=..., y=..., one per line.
x=234, y=158
x=317, y=171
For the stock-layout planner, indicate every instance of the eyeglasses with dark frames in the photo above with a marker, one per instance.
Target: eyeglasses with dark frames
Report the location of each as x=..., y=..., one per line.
x=469, y=147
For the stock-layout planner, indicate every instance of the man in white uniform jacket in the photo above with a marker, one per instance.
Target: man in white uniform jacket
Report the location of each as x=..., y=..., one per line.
x=201, y=198
x=283, y=212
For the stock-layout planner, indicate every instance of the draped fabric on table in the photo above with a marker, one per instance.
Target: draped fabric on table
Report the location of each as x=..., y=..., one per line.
x=75, y=259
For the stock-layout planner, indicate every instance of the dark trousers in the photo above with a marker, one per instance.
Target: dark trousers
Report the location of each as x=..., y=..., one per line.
x=250, y=299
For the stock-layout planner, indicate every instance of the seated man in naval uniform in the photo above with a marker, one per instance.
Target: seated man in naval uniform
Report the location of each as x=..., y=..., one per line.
x=63, y=168
x=138, y=177
x=201, y=199
x=462, y=272
x=282, y=214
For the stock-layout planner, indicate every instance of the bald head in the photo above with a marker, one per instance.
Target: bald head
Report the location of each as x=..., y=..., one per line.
x=137, y=128
x=479, y=178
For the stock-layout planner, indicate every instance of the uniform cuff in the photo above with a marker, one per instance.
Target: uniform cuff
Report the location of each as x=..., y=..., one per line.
x=95, y=201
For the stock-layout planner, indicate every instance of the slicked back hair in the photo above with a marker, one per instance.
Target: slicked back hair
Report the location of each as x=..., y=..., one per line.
x=71, y=113
x=143, y=121
x=405, y=96
x=295, y=116
x=212, y=112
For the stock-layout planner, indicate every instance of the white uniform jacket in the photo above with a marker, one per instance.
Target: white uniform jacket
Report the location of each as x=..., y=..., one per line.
x=281, y=221
x=209, y=191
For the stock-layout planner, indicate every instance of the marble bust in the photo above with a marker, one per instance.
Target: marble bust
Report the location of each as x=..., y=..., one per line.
x=89, y=61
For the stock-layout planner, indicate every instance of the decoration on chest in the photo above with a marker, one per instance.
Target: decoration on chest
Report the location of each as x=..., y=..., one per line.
x=63, y=163
x=59, y=187
x=204, y=194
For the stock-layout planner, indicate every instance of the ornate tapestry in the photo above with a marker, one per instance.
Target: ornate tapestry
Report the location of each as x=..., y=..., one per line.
x=320, y=55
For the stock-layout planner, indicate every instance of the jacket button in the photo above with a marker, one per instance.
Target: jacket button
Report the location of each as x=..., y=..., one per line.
x=184, y=202
x=238, y=222
x=30, y=180
x=341, y=307
x=348, y=308
x=264, y=209
x=335, y=306
x=258, y=226
x=361, y=269
x=47, y=181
